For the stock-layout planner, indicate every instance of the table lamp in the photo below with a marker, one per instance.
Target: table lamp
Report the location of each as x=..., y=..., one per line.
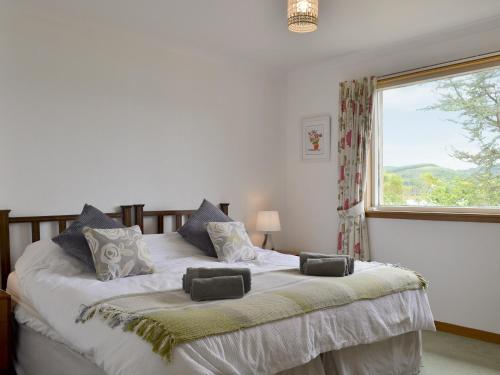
x=267, y=222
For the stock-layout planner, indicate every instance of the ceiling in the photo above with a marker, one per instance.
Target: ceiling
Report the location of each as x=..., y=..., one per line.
x=256, y=30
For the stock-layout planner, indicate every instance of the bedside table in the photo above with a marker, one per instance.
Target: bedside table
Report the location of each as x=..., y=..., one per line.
x=5, y=333
x=289, y=252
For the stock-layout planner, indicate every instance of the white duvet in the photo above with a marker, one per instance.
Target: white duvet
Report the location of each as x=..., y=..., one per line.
x=56, y=287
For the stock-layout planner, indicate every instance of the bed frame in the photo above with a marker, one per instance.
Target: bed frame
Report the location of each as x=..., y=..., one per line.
x=125, y=215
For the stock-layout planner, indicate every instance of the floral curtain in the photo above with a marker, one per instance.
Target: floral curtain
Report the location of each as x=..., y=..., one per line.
x=355, y=129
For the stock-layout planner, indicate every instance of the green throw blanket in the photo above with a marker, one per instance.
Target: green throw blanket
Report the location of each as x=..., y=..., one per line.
x=169, y=318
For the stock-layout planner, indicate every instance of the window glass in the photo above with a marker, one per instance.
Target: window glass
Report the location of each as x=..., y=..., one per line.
x=439, y=142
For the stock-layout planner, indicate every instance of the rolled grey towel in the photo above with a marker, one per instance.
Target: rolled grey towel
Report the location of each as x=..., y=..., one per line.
x=220, y=287
x=341, y=259
x=202, y=273
x=305, y=255
x=326, y=267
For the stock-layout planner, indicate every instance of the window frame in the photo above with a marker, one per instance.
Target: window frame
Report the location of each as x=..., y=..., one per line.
x=374, y=168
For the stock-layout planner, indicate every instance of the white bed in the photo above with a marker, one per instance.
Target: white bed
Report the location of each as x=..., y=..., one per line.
x=379, y=336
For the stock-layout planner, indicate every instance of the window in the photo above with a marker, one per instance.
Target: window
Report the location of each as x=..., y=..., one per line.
x=436, y=141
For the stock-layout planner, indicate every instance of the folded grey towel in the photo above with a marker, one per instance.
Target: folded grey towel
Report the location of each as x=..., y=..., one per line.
x=326, y=260
x=202, y=273
x=220, y=287
x=305, y=255
x=326, y=267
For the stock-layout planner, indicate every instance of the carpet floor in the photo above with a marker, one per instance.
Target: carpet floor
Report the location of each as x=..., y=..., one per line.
x=447, y=354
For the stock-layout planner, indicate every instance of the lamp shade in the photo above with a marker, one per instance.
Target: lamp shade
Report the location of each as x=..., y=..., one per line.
x=268, y=221
x=302, y=15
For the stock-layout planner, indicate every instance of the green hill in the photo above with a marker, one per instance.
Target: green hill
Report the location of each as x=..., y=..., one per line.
x=413, y=172
x=433, y=185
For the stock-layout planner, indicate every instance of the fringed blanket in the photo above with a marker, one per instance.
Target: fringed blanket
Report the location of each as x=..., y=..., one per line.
x=169, y=318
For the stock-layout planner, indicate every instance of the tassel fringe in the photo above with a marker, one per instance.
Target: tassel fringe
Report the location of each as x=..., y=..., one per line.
x=424, y=284
x=150, y=330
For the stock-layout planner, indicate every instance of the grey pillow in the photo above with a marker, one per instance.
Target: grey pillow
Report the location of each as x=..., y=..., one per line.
x=118, y=252
x=73, y=241
x=195, y=228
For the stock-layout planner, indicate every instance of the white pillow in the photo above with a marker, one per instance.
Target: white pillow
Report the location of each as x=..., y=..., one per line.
x=46, y=254
x=170, y=245
x=231, y=241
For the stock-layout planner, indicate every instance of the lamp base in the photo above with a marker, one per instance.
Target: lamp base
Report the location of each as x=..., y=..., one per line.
x=268, y=241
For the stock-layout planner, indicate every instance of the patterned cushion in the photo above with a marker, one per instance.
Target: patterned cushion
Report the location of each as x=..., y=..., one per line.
x=118, y=252
x=231, y=241
x=195, y=231
x=72, y=239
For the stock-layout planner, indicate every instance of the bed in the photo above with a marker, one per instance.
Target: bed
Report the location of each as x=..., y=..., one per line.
x=374, y=336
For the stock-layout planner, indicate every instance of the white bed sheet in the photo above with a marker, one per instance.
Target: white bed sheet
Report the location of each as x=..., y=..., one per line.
x=399, y=355
x=55, y=286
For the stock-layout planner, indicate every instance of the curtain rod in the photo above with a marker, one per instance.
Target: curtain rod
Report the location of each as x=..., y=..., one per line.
x=451, y=62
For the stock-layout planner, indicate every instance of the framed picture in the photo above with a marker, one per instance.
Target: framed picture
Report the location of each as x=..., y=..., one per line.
x=316, y=138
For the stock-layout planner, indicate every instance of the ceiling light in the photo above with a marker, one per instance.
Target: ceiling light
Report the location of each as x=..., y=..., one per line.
x=302, y=15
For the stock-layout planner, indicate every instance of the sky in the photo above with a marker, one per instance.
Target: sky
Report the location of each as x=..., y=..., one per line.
x=414, y=136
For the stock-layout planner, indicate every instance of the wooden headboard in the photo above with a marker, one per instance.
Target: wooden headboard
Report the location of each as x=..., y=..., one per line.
x=125, y=214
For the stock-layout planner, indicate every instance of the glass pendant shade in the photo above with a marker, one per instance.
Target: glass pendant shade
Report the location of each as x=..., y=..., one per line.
x=302, y=15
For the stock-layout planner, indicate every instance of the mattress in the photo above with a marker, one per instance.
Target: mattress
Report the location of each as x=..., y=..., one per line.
x=45, y=290
x=41, y=350
x=36, y=353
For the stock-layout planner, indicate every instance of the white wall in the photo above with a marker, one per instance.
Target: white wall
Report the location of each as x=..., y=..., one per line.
x=90, y=114
x=461, y=260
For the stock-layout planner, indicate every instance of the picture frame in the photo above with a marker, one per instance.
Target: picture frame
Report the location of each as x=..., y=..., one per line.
x=315, y=133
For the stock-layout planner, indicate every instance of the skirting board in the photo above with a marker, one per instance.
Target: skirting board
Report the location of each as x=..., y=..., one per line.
x=468, y=332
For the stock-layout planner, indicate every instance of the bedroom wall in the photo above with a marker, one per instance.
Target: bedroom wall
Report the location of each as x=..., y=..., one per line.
x=100, y=115
x=460, y=259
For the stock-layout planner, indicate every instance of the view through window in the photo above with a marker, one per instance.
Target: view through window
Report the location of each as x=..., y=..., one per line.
x=439, y=142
